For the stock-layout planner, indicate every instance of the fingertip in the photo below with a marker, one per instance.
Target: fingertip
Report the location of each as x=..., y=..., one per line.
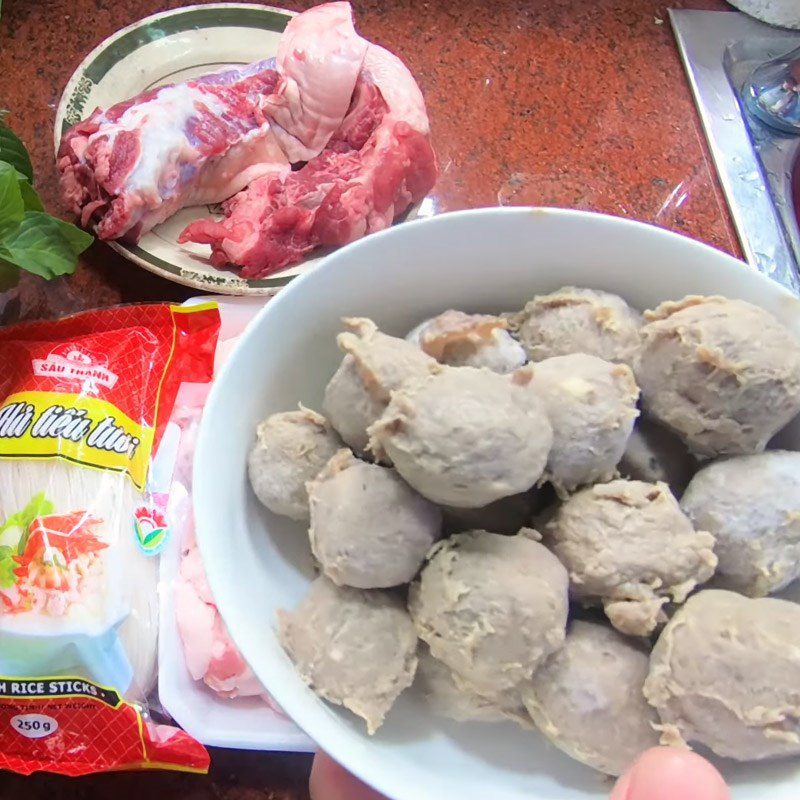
x=666, y=773
x=622, y=786
x=329, y=781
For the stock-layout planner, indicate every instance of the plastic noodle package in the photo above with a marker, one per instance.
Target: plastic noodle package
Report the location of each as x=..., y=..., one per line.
x=86, y=461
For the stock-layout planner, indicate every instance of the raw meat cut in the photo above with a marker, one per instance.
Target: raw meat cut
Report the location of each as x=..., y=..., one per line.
x=133, y=166
x=211, y=655
x=271, y=223
x=355, y=186
x=319, y=58
x=209, y=652
x=331, y=140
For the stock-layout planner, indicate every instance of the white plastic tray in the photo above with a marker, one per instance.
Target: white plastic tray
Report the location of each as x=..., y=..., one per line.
x=245, y=723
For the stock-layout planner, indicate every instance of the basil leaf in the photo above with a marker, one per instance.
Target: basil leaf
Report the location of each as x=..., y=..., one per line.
x=78, y=239
x=12, y=204
x=13, y=151
x=29, y=196
x=9, y=276
x=30, y=239
x=44, y=245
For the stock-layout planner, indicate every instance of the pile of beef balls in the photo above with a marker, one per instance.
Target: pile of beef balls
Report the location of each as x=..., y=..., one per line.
x=567, y=517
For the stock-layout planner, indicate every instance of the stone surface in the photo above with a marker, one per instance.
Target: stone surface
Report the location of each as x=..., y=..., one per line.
x=557, y=102
x=234, y=775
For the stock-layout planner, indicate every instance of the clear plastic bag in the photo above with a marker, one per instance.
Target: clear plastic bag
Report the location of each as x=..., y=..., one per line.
x=85, y=470
x=204, y=682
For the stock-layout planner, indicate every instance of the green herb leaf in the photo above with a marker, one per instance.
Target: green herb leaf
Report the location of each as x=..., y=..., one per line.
x=29, y=196
x=7, y=567
x=39, y=506
x=30, y=239
x=44, y=245
x=12, y=204
x=13, y=151
x=9, y=276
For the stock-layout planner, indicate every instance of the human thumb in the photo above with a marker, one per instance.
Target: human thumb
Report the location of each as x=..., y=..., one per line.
x=668, y=773
x=330, y=782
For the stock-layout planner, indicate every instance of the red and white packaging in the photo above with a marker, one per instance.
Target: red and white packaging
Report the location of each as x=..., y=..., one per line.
x=85, y=474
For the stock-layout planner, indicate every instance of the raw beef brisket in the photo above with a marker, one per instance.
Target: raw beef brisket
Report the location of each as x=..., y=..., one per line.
x=331, y=141
x=130, y=167
x=319, y=58
x=373, y=168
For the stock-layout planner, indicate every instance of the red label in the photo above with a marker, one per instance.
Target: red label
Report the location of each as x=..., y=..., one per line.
x=133, y=357
x=75, y=727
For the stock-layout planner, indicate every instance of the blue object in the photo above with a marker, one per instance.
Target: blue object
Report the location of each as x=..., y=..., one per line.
x=101, y=659
x=772, y=93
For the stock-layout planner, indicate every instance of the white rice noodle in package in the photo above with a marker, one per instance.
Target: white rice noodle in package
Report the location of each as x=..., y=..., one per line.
x=85, y=471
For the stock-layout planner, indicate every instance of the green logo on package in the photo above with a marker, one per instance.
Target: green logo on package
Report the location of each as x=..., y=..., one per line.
x=151, y=530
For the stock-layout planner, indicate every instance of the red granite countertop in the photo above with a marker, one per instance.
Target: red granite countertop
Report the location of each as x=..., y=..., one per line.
x=575, y=103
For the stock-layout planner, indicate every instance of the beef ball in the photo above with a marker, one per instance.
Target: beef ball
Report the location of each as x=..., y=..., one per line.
x=491, y=607
x=369, y=529
x=350, y=406
x=465, y=437
x=629, y=545
x=591, y=405
x=725, y=673
x=374, y=365
x=290, y=449
x=587, y=698
x=354, y=648
x=751, y=505
x=653, y=453
x=578, y=321
x=723, y=374
x=446, y=695
x=469, y=340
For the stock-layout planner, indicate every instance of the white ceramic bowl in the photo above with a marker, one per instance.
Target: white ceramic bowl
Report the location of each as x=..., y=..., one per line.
x=483, y=261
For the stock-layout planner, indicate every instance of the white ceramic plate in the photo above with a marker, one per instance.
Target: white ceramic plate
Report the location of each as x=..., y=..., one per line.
x=482, y=261
x=165, y=48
